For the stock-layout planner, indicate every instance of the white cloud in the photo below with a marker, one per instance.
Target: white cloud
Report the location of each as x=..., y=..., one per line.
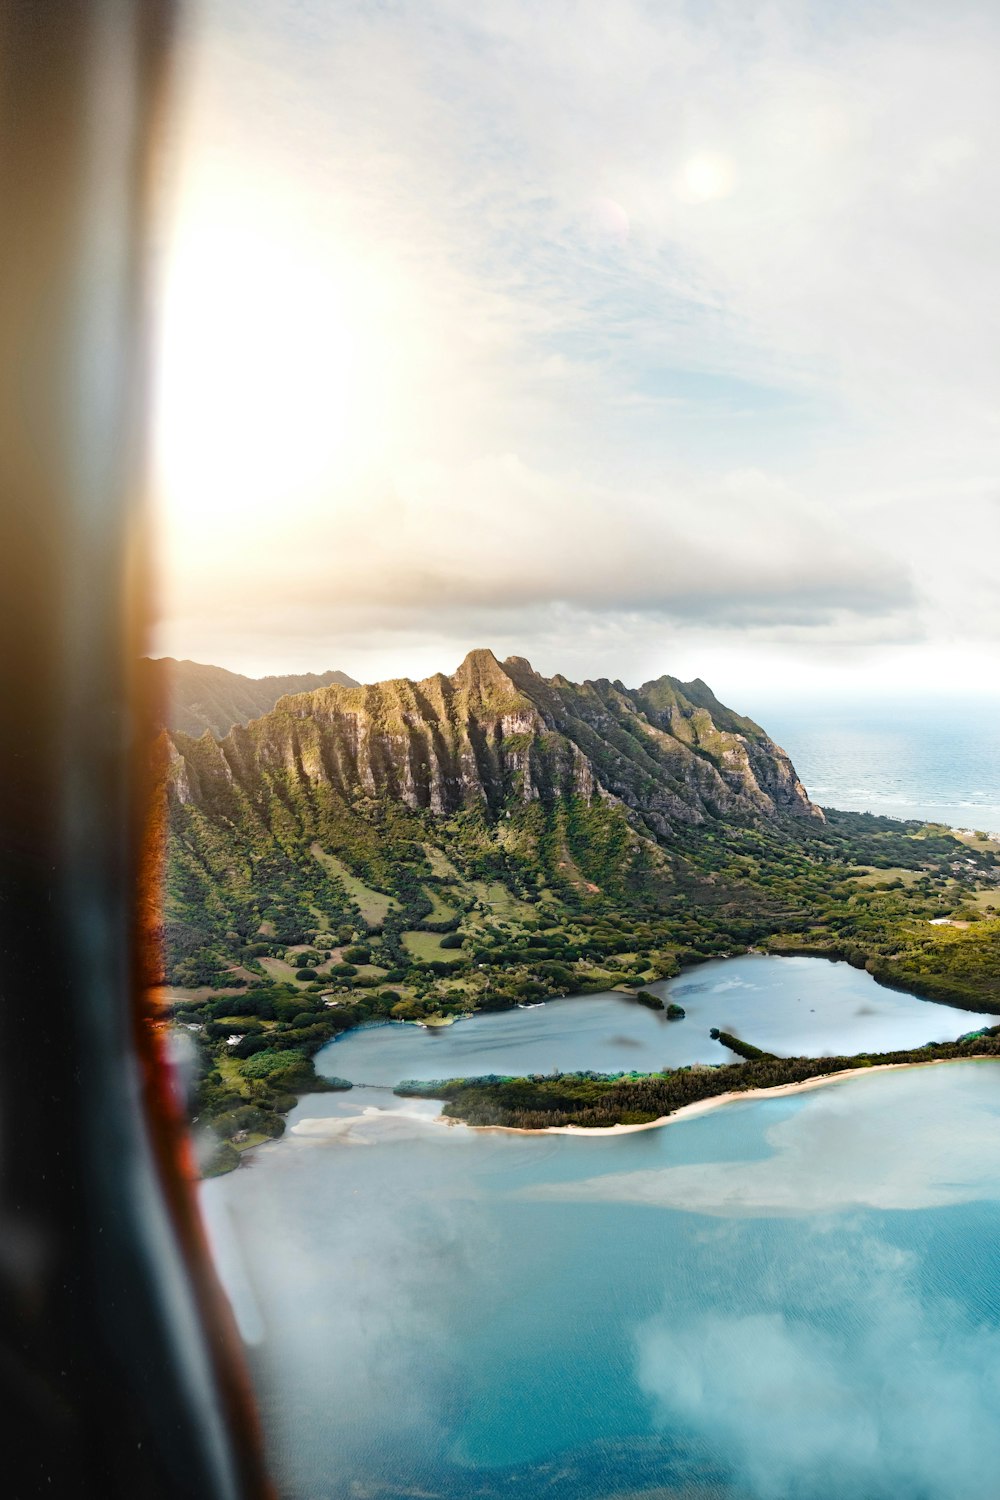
x=873, y=1386
x=664, y=317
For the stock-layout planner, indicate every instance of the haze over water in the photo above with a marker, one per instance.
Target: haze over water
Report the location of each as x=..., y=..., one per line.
x=784, y=1299
x=931, y=759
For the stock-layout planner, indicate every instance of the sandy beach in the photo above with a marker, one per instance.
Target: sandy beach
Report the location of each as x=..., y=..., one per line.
x=702, y=1106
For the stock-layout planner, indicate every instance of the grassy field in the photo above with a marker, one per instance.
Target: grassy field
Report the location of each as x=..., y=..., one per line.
x=171, y=994
x=992, y=841
x=500, y=902
x=883, y=877
x=427, y=945
x=373, y=905
x=440, y=911
x=276, y=968
x=230, y=1070
x=440, y=864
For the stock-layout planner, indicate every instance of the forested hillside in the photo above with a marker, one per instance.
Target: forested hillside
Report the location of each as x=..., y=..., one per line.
x=420, y=850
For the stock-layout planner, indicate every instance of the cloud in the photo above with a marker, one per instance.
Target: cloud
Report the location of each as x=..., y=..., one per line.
x=589, y=312
x=838, y=1373
x=349, y=1315
x=497, y=536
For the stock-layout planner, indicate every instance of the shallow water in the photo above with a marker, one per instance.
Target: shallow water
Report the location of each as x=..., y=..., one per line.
x=792, y=1298
x=790, y=1006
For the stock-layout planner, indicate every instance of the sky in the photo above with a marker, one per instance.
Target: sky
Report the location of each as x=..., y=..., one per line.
x=630, y=338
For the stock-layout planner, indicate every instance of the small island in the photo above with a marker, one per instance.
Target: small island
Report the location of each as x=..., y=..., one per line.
x=673, y=1011
x=647, y=998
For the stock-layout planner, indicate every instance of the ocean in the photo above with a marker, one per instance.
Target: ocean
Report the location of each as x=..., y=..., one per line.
x=786, y=1298
x=934, y=759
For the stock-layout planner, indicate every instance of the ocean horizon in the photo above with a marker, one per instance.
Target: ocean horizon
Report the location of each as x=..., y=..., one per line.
x=932, y=759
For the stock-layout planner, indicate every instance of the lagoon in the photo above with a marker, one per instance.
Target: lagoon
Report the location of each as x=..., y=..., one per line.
x=786, y=1298
x=790, y=1006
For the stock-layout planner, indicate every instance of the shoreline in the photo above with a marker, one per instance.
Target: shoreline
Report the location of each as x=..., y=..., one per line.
x=732, y=1096
x=329, y=1127
x=436, y=1022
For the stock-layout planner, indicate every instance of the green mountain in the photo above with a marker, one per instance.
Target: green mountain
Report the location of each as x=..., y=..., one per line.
x=417, y=850
x=376, y=809
x=192, y=697
x=669, y=753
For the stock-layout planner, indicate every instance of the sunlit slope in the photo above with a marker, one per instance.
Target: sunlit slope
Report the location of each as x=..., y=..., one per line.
x=491, y=806
x=495, y=733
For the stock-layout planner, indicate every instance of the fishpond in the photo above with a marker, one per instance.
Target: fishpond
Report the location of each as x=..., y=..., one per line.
x=791, y=1006
x=784, y=1298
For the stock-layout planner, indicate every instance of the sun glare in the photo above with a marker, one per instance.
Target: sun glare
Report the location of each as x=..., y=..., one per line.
x=705, y=177
x=259, y=375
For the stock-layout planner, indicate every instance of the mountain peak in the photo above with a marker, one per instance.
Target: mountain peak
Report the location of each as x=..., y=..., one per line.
x=669, y=753
x=481, y=659
x=488, y=687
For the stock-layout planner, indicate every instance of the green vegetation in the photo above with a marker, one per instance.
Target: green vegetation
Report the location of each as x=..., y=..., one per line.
x=784, y=888
x=429, y=945
x=373, y=906
x=743, y=1049
x=647, y=998
x=603, y=1100
x=419, y=851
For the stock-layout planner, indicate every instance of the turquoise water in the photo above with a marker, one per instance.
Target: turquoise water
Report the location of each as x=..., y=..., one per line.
x=790, y=1006
x=793, y=1298
x=932, y=759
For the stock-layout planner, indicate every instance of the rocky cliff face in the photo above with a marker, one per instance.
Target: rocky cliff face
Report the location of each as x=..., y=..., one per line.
x=498, y=734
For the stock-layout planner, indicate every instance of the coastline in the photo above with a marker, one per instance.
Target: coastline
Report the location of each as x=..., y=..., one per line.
x=732, y=1096
x=698, y=1106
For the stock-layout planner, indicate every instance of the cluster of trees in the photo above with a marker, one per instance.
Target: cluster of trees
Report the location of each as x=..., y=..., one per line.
x=589, y=1099
x=653, y=1002
x=586, y=906
x=740, y=1047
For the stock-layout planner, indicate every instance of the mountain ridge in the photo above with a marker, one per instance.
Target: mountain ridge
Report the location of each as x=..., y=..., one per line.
x=561, y=791
x=191, y=696
x=668, y=751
